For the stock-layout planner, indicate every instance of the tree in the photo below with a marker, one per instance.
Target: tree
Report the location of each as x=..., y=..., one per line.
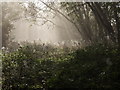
x=104, y=19
x=9, y=15
x=96, y=18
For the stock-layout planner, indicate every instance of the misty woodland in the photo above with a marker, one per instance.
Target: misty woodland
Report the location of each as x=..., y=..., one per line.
x=65, y=45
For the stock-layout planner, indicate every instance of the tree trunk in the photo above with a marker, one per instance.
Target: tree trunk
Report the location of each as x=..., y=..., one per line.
x=102, y=19
x=117, y=25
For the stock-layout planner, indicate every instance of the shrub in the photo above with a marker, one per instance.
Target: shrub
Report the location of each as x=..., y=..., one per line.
x=36, y=66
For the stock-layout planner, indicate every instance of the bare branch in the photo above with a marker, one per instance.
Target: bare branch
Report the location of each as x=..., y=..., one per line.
x=62, y=15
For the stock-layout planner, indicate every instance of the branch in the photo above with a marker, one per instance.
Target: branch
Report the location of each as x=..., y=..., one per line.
x=62, y=15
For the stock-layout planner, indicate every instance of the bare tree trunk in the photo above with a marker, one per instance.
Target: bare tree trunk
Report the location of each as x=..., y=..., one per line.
x=102, y=19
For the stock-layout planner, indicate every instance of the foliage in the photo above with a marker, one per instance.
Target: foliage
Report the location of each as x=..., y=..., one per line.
x=33, y=66
x=99, y=21
x=40, y=66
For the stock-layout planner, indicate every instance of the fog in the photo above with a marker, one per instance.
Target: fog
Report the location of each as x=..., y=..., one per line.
x=58, y=30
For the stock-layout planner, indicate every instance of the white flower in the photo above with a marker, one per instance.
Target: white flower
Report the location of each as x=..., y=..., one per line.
x=3, y=48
